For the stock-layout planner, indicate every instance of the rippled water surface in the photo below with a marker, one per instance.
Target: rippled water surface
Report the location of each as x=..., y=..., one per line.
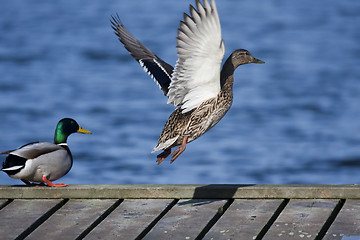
x=295, y=119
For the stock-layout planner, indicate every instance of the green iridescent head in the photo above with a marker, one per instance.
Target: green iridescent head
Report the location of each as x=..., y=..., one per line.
x=65, y=127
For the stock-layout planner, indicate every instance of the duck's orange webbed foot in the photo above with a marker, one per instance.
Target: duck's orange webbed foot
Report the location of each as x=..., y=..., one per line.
x=50, y=184
x=161, y=157
x=176, y=153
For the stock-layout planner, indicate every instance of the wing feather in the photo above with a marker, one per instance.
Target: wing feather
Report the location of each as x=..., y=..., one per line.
x=196, y=77
x=159, y=70
x=34, y=150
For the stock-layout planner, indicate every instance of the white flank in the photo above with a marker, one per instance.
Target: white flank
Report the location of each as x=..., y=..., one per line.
x=164, y=145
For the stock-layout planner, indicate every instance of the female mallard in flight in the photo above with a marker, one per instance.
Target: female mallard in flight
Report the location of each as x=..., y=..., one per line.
x=196, y=85
x=43, y=161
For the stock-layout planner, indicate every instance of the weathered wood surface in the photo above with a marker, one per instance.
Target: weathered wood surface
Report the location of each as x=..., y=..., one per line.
x=186, y=219
x=183, y=191
x=72, y=219
x=19, y=215
x=2, y=203
x=149, y=212
x=301, y=219
x=347, y=223
x=128, y=220
x=244, y=219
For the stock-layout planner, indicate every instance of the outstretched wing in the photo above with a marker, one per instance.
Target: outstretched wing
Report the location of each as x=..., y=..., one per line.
x=200, y=49
x=159, y=70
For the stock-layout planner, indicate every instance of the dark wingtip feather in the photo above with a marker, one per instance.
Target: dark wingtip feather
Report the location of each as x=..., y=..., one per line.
x=115, y=22
x=7, y=152
x=159, y=70
x=199, y=4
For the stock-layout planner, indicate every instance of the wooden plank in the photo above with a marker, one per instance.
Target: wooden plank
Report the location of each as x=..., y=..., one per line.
x=129, y=219
x=20, y=214
x=186, y=219
x=347, y=222
x=244, y=219
x=301, y=219
x=72, y=219
x=168, y=191
x=2, y=202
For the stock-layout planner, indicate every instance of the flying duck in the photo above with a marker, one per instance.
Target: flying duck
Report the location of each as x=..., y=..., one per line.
x=43, y=162
x=202, y=92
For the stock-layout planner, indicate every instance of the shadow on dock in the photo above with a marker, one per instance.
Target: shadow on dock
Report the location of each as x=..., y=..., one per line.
x=213, y=192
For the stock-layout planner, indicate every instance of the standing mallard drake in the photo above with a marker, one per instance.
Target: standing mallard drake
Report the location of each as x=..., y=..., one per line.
x=202, y=92
x=43, y=161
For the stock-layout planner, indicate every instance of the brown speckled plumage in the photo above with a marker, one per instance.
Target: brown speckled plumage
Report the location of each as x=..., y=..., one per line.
x=195, y=123
x=202, y=93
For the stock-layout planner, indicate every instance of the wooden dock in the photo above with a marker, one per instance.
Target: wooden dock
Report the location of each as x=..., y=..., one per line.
x=181, y=212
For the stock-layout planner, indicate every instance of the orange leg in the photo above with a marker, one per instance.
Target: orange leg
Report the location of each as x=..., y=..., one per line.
x=31, y=184
x=161, y=157
x=50, y=184
x=175, y=154
x=27, y=182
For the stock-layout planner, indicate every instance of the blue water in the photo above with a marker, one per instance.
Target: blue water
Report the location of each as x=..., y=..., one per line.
x=295, y=119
